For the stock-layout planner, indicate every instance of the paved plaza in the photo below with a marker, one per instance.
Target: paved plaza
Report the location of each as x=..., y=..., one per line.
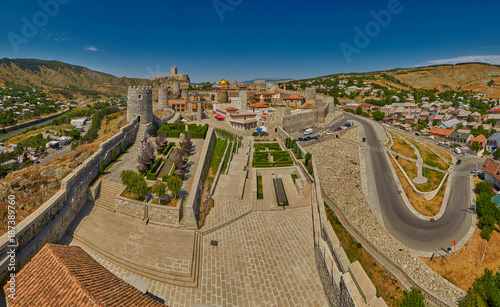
x=263, y=256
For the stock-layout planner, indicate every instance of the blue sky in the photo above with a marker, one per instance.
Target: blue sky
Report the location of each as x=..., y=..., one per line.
x=243, y=39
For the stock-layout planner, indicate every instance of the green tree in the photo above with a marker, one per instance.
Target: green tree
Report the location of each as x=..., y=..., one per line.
x=14, y=166
x=476, y=146
x=414, y=298
x=75, y=134
x=139, y=187
x=159, y=188
x=113, y=154
x=126, y=177
x=102, y=166
x=491, y=83
x=174, y=185
x=378, y=115
x=435, y=122
x=485, y=291
x=470, y=119
x=459, y=126
x=484, y=187
x=123, y=146
x=359, y=111
x=496, y=154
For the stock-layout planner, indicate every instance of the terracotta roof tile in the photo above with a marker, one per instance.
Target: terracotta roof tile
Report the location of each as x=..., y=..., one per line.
x=490, y=166
x=67, y=276
x=259, y=105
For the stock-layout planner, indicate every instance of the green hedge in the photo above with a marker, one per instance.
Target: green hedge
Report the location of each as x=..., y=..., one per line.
x=169, y=145
x=172, y=130
x=197, y=132
x=220, y=147
x=150, y=175
x=263, y=146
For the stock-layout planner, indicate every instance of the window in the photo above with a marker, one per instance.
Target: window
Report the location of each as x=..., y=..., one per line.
x=139, y=96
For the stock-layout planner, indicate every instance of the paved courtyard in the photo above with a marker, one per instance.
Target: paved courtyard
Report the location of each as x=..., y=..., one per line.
x=264, y=255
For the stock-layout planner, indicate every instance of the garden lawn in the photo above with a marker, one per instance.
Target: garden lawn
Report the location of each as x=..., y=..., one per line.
x=402, y=147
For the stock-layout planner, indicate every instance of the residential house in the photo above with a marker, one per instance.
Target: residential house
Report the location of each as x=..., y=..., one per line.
x=482, y=140
x=450, y=124
x=477, y=116
x=439, y=134
x=461, y=139
x=387, y=110
x=410, y=119
x=493, y=142
x=491, y=171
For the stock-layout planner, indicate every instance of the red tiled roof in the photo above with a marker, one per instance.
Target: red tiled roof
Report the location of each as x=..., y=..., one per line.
x=176, y=101
x=67, y=276
x=490, y=166
x=259, y=105
x=480, y=138
x=231, y=109
x=263, y=93
x=440, y=131
x=308, y=106
x=366, y=105
x=240, y=115
x=294, y=96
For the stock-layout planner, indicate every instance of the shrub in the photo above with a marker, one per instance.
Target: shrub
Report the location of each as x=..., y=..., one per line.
x=150, y=175
x=113, y=154
x=102, y=166
x=169, y=145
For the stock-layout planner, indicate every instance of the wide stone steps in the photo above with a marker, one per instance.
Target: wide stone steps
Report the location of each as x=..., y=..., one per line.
x=189, y=280
x=106, y=196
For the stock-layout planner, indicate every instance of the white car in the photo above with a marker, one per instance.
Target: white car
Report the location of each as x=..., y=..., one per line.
x=329, y=133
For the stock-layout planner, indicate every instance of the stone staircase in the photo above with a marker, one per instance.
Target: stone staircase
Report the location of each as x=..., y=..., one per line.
x=189, y=280
x=141, y=133
x=106, y=195
x=236, y=175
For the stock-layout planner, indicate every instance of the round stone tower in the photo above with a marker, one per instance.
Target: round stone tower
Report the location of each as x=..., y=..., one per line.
x=140, y=104
x=162, y=98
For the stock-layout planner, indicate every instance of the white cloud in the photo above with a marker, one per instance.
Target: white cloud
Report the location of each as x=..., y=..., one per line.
x=91, y=48
x=491, y=59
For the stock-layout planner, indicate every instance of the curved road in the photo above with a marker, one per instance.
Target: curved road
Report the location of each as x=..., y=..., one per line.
x=413, y=232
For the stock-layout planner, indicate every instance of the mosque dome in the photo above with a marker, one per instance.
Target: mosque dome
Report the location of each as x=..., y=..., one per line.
x=223, y=82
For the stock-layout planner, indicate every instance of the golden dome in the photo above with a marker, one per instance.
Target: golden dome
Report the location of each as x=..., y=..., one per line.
x=223, y=82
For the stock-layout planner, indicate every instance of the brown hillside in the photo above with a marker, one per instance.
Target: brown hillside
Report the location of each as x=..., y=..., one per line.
x=55, y=75
x=471, y=76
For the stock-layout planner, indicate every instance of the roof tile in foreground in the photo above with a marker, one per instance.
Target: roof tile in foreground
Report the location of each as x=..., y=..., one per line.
x=61, y=275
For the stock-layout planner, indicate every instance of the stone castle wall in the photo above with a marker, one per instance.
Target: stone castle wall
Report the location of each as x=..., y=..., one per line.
x=140, y=103
x=49, y=222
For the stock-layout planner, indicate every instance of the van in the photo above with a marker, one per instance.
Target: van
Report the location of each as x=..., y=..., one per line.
x=308, y=131
x=457, y=150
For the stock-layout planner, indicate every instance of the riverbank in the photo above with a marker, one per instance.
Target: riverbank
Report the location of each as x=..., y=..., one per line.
x=16, y=129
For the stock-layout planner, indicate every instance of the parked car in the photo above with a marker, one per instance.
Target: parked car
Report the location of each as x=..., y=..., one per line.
x=474, y=171
x=308, y=131
x=329, y=133
x=457, y=150
x=417, y=134
x=459, y=161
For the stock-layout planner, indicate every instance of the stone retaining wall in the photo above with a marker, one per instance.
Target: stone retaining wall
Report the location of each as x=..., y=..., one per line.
x=194, y=198
x=155, y=214
x=49, y=222
x=344, y=284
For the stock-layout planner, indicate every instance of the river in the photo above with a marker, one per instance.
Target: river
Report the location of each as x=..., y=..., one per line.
x=17, y=131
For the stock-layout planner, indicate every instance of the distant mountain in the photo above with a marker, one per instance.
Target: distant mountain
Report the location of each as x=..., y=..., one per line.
x=267, y=80
x=64, y=79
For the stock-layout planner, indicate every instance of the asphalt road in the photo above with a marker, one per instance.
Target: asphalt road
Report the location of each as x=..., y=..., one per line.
x=413, y=232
